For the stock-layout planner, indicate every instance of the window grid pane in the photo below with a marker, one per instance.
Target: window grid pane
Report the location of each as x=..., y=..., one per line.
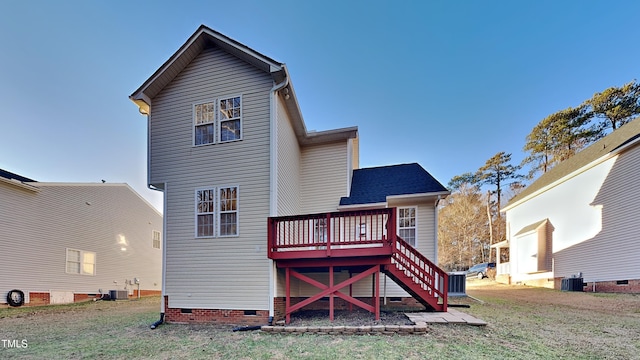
x=204, y=209
x=228, y=203
x=230, y=115
x=407, y=224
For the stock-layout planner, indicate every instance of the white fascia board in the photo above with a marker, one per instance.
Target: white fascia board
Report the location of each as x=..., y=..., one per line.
x=20, y=184
x=419, y=197
x=369, y=206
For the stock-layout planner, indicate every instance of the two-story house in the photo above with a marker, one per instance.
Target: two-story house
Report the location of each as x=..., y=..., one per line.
x=228, y=147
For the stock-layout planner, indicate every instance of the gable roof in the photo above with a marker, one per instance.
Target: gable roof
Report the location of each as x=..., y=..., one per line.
x=11, y=176
x=205, y=37
x=604, y=148
x=374, y=185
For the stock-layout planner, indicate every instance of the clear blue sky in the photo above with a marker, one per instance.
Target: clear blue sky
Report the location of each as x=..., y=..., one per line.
x=447, y=84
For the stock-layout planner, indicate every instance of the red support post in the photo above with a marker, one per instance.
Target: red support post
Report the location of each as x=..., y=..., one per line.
x=376, y=298
x=288, y=294
x=331, y=294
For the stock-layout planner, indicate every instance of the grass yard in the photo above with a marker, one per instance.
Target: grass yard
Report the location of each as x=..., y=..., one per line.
x=524, y=323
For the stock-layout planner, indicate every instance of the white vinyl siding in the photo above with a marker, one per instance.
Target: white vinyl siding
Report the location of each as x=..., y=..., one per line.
x=323, y=177
x=288, y=163
x=230, y=272
x=85, y=217
x=594, y=215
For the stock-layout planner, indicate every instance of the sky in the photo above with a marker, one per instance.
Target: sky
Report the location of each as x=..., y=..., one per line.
x=446, y=84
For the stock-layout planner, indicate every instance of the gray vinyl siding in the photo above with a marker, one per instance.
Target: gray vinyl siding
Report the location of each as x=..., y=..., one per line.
x=288, y=165
x=217, y=273
x=38, y=227
x=323, y=179
x=595, y=217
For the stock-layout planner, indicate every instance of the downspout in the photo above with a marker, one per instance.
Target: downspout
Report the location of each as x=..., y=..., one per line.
x=273, y=201
x=435, y=229
x=164, y=258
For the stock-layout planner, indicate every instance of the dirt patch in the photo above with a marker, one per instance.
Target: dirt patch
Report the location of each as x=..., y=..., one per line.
x=356, y=317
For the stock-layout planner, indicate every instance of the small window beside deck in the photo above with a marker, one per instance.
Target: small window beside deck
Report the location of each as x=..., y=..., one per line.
x=407, y=225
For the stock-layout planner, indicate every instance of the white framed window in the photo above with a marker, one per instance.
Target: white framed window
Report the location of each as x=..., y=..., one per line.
x=80, y=262
x=228, y=211
x=407, y=224
x=205, y=200
x=320, y=230
x=155, y=239
x=230, y=118
x=204, y=123
x=362, y=230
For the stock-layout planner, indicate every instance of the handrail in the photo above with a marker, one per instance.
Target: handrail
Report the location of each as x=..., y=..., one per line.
x=424, y=273
x=329, y=231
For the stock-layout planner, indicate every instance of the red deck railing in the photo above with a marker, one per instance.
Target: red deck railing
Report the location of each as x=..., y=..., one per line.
x=336, y=234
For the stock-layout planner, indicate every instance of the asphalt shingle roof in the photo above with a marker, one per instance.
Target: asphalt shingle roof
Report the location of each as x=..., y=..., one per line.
x=373, y=185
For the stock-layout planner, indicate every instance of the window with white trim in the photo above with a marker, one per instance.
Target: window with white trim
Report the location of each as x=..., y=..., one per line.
x=204, y=122
x=320, y=230
x=80, y=262
x=230, y=118
x=407, y=224
x=228, y=211
x=204, y=212
x=219, y=120
x=155, y=237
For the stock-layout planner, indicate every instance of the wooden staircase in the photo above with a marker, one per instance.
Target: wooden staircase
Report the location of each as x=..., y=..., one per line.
x=418, y=276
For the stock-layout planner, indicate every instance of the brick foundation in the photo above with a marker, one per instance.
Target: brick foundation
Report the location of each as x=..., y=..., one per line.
x=214, y=316
x=38, y=298
x=632, y=286
x=261, y=317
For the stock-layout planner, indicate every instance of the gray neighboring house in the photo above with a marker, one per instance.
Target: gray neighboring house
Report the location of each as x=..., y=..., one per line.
x=580, y=219
x=66, y=242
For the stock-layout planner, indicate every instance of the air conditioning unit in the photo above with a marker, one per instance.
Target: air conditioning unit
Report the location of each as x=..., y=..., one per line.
x=118, y=294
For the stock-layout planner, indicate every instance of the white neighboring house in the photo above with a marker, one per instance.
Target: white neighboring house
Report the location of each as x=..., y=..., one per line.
x=580, y=219
x=66, y=242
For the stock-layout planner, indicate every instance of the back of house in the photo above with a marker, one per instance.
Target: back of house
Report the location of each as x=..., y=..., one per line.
x=229, y=149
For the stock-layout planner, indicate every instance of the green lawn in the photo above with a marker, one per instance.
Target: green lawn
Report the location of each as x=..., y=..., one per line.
x=524, y=323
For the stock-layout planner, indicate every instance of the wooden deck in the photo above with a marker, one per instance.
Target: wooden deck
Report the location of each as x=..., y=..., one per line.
x=366, y=243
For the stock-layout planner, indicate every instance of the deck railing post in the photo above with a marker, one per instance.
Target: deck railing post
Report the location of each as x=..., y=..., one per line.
x=328, y=227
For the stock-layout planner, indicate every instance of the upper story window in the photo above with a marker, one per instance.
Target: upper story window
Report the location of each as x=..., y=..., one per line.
x=230, y=118
x=203, y=117
x=155, y=237
x=219, y=120
x=407, y=224
x=81, y=262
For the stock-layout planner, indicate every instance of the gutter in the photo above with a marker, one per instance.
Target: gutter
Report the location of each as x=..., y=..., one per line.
x=273, y=186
